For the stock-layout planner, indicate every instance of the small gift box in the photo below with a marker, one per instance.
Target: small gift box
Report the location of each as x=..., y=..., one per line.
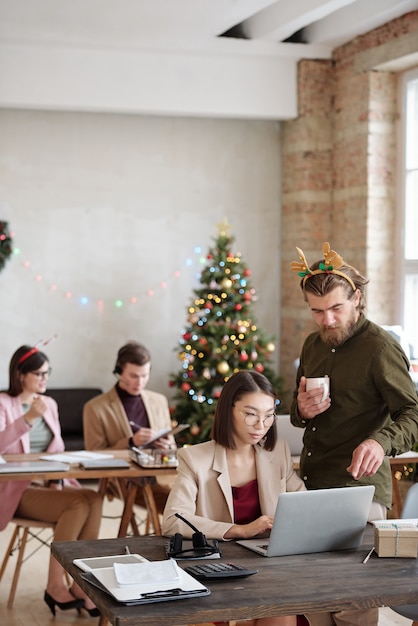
x=398, y=538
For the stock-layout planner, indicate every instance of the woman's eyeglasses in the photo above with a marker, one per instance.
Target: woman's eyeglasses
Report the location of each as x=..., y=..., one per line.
x=42, y=375
x=252, y=419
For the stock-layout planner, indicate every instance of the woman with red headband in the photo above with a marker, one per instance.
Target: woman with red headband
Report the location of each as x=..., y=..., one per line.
x=29, y=423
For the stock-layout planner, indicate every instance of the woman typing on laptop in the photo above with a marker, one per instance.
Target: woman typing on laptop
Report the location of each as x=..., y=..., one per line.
x=228, y=487
x=29, y=423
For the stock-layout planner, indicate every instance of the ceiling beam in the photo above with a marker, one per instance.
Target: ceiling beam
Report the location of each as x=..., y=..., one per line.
x=237, y=79
x=285, y=17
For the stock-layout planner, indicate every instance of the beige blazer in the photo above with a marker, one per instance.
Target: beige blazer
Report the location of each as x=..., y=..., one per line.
x=202, y=492
x=106, y=424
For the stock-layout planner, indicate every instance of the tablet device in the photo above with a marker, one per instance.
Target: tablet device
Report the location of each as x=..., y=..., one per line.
x=90, y=564
x=163, y=433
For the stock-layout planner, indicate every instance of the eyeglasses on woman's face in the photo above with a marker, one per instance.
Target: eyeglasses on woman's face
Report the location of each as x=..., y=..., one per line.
x=42, y=374
x=252, y=419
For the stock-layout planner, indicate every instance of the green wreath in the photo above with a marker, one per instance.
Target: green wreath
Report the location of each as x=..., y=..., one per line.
x=6, y=248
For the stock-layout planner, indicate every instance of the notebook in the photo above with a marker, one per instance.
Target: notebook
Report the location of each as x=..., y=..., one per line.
x=32, y=466
x=91, y=464
x=292, y=434
x=319, y=520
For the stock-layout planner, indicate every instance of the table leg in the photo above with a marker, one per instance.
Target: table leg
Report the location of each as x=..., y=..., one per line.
x=152, y=508
x=130, y=496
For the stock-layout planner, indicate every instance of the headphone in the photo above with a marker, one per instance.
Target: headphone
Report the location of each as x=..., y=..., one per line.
x=117, y=370
x=201, y=546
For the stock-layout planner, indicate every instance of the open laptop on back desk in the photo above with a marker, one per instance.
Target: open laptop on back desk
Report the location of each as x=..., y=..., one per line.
x=320, y=520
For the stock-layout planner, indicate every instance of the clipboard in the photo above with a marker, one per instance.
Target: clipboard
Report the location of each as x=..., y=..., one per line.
x=185, y=586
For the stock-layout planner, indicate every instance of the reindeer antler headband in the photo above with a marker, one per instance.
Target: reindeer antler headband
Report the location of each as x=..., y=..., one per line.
x=35, y=349
x=331, y=265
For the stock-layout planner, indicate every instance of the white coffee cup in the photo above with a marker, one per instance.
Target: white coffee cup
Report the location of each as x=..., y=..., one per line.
x=314, y=383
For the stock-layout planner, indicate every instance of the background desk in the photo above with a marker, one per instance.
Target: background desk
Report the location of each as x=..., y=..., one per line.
x=299, y=584
x=129, y=489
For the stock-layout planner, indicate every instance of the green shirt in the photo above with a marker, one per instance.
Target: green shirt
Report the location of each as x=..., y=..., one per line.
x=372, y=396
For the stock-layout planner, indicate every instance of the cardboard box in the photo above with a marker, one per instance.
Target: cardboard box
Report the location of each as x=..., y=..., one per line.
x=396, y=539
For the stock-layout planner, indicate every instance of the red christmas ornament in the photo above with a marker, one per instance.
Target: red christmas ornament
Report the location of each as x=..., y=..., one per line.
x=217, y=393
x=208, y=256
x=171, y=383
x=209, y=305
x=247, y=296
x=185, y=386
x=259, y=367
x=203, y=341
x=243, y=357
x=187, y=336
x=238, y=306
x=247, y=272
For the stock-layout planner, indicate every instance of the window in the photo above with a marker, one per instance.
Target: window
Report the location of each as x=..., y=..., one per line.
x=409, y=231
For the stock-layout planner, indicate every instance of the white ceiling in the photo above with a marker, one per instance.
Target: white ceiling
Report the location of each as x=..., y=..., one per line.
x=192, y=24
x=175, y=38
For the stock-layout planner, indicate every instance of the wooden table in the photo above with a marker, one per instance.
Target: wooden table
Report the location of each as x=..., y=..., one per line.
x=129, y=488
x=309, y=583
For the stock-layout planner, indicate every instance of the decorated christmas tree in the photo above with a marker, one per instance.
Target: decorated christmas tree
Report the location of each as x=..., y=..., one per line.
x=221, y=337
x=5, y=244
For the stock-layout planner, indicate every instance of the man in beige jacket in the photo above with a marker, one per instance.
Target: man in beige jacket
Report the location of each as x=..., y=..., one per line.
x=128, y=414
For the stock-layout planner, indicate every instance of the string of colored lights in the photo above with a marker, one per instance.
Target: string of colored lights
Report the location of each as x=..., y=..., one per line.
x=118, y=301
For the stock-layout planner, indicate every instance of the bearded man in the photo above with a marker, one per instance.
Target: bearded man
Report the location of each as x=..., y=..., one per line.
x=371, y=412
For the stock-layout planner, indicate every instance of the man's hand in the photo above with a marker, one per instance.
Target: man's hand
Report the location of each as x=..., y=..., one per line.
x=165, y=443
x=310, y=403
x=366, y=459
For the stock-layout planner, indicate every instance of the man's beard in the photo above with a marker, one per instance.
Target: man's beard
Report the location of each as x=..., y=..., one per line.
x=339, y=334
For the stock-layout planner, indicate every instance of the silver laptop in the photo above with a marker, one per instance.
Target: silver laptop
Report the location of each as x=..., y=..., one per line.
x=292, y=434
x=316, y=521
x=23, y=467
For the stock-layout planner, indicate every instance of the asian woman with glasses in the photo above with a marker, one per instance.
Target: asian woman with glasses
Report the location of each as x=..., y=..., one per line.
x=228, y=487
x=29, y=423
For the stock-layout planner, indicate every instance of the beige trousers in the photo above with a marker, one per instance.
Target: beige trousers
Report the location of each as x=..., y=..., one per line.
x=77, y=513
x=360, y=617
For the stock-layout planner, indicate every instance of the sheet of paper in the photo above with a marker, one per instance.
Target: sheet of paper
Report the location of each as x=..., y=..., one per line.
x=153, y=572
x=76, y=457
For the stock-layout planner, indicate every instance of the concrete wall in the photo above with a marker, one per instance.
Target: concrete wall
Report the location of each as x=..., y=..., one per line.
x=111, y=206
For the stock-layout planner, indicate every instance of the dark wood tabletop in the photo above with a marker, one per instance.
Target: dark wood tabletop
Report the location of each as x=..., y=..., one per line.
x=298, y=584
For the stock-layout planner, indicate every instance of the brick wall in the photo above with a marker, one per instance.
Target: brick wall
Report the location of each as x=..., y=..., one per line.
x=339, y=163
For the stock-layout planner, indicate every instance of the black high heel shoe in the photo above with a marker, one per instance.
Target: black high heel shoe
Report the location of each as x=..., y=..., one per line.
x=92, y=612
x=64, y=606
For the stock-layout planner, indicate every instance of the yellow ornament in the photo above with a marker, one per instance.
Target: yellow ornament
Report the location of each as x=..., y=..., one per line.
x=226, y=283
x=223, y=367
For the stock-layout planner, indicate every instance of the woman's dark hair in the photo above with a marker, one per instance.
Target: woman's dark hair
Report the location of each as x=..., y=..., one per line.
x=238, y=385
x=26, y=359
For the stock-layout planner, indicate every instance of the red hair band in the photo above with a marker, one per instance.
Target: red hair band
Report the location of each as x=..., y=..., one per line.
x=27, y=354
x=35, y=349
